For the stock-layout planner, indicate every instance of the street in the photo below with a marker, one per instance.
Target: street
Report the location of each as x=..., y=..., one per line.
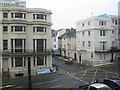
x=68, y=76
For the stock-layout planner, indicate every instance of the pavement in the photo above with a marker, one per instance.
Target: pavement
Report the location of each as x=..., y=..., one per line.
x=9, y=82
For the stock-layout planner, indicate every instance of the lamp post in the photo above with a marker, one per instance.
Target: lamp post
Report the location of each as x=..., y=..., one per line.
x=29, y=74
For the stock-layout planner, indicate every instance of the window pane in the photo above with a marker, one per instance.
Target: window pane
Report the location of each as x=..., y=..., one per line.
x=83, y=43
x=5, y=28
x=33, y=29
x=34, y=61
x=103, y=32
x=24, y=61
x=34, y=45
x=45, y=60
x=100, y=32
x=12, y=15
x=12, y=62
x=18, y=45
x=18, y=28
x=18, y=15
x=88, y=43
x=39, y=16
x=40, y=45
x=89, y=33
x=40, y=29
x=5, y=44
x=18, y=62
x=5, y=15
x=40, y=60
x=33, y=16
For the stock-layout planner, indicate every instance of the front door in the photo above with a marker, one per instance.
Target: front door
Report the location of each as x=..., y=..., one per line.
x=75, y=56
x=80, y=58
x=5, y=65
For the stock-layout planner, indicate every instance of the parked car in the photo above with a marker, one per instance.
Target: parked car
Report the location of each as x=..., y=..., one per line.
x=83, y=87
x=68, y=61
x=98, y=86
x=114, y=83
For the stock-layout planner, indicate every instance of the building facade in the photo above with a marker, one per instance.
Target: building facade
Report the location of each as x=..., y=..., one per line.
x=13, y=3
x=115, y=38
x=67, y=44
x=55, y=35
x=94, y=40
x=24, y=34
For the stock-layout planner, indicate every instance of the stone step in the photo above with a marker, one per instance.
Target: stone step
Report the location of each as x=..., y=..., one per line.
x=5, y=75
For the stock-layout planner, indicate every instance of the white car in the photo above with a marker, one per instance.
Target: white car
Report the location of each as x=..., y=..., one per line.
x=98, y=86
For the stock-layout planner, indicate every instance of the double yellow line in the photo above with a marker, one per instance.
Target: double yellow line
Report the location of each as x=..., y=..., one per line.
x=94, y=75
x=72, y=75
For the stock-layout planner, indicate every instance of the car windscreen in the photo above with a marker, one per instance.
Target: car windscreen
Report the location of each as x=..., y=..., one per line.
x=118, y=82
x=92, y=88
x=111, y=84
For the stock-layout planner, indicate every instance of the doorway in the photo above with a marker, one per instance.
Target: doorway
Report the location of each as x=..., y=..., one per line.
x=75, y=58
x=80, y=58
x=5, y=65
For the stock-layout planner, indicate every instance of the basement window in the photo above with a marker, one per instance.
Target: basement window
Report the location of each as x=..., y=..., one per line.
x=19, y=75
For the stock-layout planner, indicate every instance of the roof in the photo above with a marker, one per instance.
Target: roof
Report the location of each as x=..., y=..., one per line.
x=115, y=80
x=100, y=85
x=69, y=33
x=58, y=32
x=104, y=16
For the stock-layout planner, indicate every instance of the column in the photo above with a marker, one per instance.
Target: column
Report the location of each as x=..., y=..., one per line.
x=44, y=45
x=13, y=61
x=13, y=28
x=23, y=47
x=13, y=15
x=23, y=16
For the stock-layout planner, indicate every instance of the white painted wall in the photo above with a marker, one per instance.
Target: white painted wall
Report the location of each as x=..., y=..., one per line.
x=94, y=37
x=28, y=35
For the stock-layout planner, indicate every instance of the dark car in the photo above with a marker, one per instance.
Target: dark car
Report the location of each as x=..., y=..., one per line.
x=113, y=83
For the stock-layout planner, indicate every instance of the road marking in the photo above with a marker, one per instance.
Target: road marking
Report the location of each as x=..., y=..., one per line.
x=109, y=71
x=55, y=86
x=77, y=78
x=84, y=73
x=45, y=82
x=94, y=75
x=7, y=86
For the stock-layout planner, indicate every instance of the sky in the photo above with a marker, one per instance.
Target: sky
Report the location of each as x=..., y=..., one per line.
x=65, y=13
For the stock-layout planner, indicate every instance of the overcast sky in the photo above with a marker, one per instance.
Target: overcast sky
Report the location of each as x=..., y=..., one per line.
x=67, y=12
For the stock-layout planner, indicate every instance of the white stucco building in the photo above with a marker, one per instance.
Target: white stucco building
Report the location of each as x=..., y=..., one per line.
x=55, y=36
x=25, y=33
x=94, y=40
x=67, y=44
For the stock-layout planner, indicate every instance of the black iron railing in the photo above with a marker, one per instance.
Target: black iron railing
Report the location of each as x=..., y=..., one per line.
x=25, y=52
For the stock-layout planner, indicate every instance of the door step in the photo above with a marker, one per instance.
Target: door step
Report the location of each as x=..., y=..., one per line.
x=5, y=75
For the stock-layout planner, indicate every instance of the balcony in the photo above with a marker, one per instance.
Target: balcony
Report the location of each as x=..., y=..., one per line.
x=63, y=48
x=102, y=50
x=115, y=49
x=25, y=52
x=21, y=21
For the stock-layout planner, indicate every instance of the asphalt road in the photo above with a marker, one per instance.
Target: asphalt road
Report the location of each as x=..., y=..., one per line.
x=68, y=76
